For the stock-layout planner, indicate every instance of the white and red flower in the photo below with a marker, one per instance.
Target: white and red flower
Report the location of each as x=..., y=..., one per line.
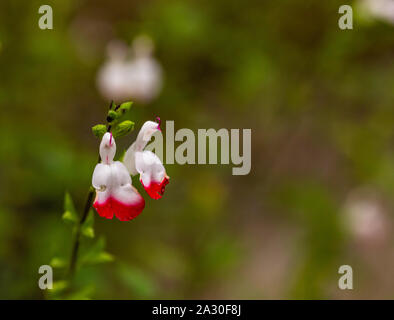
x=112, y=181
x=115, y=193
x=153, y=176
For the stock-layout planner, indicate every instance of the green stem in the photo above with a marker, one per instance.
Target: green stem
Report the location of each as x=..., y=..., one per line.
x=88, y=205
x=74, y=254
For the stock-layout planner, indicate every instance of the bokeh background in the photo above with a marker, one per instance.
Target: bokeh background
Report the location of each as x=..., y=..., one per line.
x=319, y=101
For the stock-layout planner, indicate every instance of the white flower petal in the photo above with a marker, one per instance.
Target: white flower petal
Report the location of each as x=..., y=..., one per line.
x=101, y=174
x=115, y=194
x=144, y=136
x=152, y=173
x=107, y=148
x=129, y=160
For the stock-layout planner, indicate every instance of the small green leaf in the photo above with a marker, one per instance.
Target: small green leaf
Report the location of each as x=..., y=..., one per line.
x=99, y=130
x=68, y=203
x=125, y=106
x=69, y=215
x=123, y=128
x=57, y=262
x=87, y=227
x=88, y=232
x=103, y=257
x=96, y=254
x=97, y=257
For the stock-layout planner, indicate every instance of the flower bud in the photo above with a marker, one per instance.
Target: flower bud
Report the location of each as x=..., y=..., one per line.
x=125, y=106
x=112, y=115
x=123, y=128
x=99, y=130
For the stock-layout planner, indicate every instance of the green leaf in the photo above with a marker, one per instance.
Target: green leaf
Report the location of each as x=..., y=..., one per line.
x=96, y=254
x=70, y=214
x=59, y=286
x=87, y=227
x=125, y=106
x=123, y=128
x=102, y=257
x=97, y=258
x=88, y=232
x=99, y=130
x=58, y=262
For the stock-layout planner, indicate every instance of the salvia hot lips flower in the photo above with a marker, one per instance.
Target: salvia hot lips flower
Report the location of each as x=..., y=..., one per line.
x=152, y=173
x=112, y=181
x=115, y=193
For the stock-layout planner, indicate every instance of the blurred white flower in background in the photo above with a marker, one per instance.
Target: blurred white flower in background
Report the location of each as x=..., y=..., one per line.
x=366, y=217
x=381, y=9
x=112, y=78
x=130, y=73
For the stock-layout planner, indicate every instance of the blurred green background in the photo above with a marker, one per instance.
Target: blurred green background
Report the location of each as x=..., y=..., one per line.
x=319, y=101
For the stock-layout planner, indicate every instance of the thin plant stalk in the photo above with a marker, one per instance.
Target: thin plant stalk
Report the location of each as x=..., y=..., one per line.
x=88, y=205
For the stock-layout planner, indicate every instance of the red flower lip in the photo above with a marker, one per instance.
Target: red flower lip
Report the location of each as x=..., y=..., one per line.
x=156, y=189
x=123, y=211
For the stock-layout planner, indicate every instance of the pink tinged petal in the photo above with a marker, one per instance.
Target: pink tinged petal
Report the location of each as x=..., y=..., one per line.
x=158, y=123
x=152, y=173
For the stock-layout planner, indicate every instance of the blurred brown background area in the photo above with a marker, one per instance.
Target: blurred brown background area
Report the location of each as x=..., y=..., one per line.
x=319, y=101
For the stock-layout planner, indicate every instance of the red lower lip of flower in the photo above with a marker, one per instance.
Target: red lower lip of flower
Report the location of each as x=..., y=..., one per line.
x=156, y=189
x=123, y=211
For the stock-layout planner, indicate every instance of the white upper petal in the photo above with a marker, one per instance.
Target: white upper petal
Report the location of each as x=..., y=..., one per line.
x=144, y=136
x=107, y=148
x=129, y=160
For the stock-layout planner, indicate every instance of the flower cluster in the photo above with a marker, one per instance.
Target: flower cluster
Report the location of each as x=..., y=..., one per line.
x=115, y=194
